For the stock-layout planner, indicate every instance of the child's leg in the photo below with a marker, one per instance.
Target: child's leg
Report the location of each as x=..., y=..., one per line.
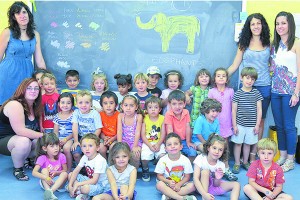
x=237, y=153
x=284, y=197
x=60, y=181
x=103, y=196
x=200, y=148
x=251, y=192
x=85, y=189
x=246, y=152
x=68, y=154
x=77, y=154
x=253, y=153
x=166, y=190
x=124, y=191
x=204, y=179
x=103, y=150
x=234, y=187
x=45, y=184
x=187, y=189
x=136, y=157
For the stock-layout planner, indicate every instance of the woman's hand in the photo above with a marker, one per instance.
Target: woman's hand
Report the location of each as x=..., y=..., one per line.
x=294, y=100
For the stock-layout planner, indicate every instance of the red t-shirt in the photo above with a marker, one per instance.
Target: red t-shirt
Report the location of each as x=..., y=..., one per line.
x=109, y=124
x=50, y=106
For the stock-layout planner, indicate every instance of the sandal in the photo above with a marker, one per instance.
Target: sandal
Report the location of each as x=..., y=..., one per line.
x=29, y=163
x=20, y=174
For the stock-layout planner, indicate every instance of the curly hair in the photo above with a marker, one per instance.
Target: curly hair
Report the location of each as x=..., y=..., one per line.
x=13, y=24
x=246, y=34
x=210, y=104
x=216, y=138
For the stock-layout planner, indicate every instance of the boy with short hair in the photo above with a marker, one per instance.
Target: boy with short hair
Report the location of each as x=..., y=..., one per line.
x=95, y=180
x=246, y=117
x=109, y=117
x=177, y=120
x=154, y=75
x=174, y=171
x=265, y=169
x=153, y=134
x=85, y=120
x=72, y=80
x=141, y=82
x=49, y=102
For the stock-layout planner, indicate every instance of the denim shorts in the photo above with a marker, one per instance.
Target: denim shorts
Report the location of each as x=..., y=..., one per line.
x=188, y=151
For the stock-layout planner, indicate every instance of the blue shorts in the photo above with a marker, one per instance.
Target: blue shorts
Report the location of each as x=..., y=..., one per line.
x=265, y=92
x=94, y=189
x=110, y=193
x=78, y=149
x=188, y=151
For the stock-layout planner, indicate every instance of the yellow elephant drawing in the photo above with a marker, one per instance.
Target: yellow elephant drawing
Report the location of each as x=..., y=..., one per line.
x=168, y=27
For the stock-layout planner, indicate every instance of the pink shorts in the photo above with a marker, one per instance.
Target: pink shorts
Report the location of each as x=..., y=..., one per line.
x=215, y=190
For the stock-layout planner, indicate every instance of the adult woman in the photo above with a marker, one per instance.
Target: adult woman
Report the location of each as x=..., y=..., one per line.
x=19, y=42
x=285, y=64
x=254, y=51
x=18, y=124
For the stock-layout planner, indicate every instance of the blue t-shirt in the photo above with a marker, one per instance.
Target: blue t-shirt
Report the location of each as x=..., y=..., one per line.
x=142, y=100
x=205, y=128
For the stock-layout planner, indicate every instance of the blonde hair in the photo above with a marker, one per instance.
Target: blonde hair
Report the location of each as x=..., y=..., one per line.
x=82, y=93
x=103, y=77
x=141, y=76
x=48, y=75
x=267, y=143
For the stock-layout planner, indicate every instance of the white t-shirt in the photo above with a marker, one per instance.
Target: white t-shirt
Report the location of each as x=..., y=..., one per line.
x=174, y=170
x=201, y=161
x=123, y=177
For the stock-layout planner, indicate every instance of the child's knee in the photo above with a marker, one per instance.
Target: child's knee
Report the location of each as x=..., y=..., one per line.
x=64, y=174
x=160, y=185
x=85, y=189
x=247, y=188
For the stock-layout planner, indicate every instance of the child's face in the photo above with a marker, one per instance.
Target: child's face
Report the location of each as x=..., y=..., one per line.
x=266, y=156
x=84, y=104
x=141, y=85
x=52, y=150
x=221, y=77
x=215, y=151
x=173, y=146
x=153, y=109
x=121, y=159
x=49, y=85
x=89, y=148
x=211, y=115
x=99, y=85
x=65, y=104
x=203, y=80
x=72, y=82
x=129, y=106
x=173, y=82
x=38, y=77
x=109, y=105
x=153, y=79
x=177, y=106
x=123, y=89
x=247, y=81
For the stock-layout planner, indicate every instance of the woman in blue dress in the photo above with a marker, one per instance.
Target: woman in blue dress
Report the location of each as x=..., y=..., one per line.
x=18, y=43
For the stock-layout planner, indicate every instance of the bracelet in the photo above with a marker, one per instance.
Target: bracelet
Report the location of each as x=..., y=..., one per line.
x=65, y=139
x=296, y=95
x=48, y=179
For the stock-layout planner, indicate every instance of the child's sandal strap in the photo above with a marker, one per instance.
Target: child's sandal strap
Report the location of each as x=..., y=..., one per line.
x=20, y=174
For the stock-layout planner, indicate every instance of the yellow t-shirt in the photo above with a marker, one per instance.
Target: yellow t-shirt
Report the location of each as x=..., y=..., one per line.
x=153, y=129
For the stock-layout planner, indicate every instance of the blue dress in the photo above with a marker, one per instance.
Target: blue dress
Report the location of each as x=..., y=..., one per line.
x=16, y=66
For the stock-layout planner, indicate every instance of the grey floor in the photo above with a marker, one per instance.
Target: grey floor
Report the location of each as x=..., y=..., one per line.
x=10, y=188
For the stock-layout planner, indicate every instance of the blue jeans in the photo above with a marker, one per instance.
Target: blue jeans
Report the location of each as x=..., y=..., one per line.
x=284, y=117
x=265, y=92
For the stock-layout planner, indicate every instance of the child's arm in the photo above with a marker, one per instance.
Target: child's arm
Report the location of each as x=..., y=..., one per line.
x=259, y=188
x=75, y=136
x=144, y=138
x=188, y=136
x=258, y=117
x=135, y=147
x=72, y=187
x=97, y=132
x=119, y=131
x=200, y=137
x=184, y=180
x=188, y=95
x=163, y=179
x=110, y=140
x=233, y=114
x=36, y=173
x=56, y=129
x=162, y=137
x=132, y=181
x=57, y=173
x=198, y=184
x=113, y=184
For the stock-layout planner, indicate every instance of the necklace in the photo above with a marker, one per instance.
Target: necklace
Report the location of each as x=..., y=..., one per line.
x=26, y=54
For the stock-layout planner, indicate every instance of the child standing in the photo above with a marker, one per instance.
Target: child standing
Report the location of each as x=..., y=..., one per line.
x=173, y=80
x=95, y=180
x=207, y=123
x=99, y=85
x=38, y=75
x=177, y=120
x=124, y=83
x=121, y=175
x=52, y=163
x=141, y=82
x=224, y=95
x=174, y=171
x=49, y=101
x=265, y=177
x=63, y=125
x=129, y=126
x=109, y=117
x=246, y=117
x=84, y=121
x=199, y=92
x=209, y=170
x=72, y=80
x=153, y=134
x=154, y=75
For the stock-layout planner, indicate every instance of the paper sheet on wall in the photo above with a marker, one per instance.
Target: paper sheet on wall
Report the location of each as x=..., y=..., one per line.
x=237, y=30
x=297, y=22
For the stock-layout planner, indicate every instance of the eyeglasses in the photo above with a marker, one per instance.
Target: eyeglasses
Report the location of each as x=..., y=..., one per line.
x=33, y=89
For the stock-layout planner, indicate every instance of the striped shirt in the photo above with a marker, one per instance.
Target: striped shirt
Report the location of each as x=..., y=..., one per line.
x=247, y=107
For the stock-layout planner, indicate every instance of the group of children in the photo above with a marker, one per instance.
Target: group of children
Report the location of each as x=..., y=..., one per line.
x=133, y=129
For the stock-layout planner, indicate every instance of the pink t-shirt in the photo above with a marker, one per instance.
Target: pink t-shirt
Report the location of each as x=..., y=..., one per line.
x=225, y=118
x=179, y=125
x=52, y=166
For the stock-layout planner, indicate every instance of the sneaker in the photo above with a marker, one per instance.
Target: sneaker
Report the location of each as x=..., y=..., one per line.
x=146, y=175
x=288, y=165
x=164, y=197
x=281, y=161
x=236, y=169
x=190, y=197
x=230, y=176
x=246, y=166
x=48, y=195
x=82, y=197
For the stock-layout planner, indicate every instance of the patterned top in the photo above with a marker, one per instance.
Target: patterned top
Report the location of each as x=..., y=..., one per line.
x=65, y=126
x=128, y=132
x=153, y=129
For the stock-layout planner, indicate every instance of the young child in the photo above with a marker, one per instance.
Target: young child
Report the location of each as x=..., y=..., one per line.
x=95, y=180
x=63, y=125
x=207, y=122
x=177, y=120
x=224, y=95
x=209, y=170
x=265, y=177
x=38, y=75
x=72, y=80
x=246, y=116
x=49, y=102
x=99, y=85
x=124, y=83
x=199, y=92
x=121, y=175
x=173, y=80
x=154, y=75
x=109, y=117
x=85, y=120
x=50, y=166
x=153, y=134
x=129, y=126
x=174, y=171
x=141, y=82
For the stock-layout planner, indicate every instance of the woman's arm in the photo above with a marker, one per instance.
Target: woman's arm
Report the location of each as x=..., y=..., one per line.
x=38, y=56
x=295, y=98
x=236, y=62
x=4, y=38
x=119, y=130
